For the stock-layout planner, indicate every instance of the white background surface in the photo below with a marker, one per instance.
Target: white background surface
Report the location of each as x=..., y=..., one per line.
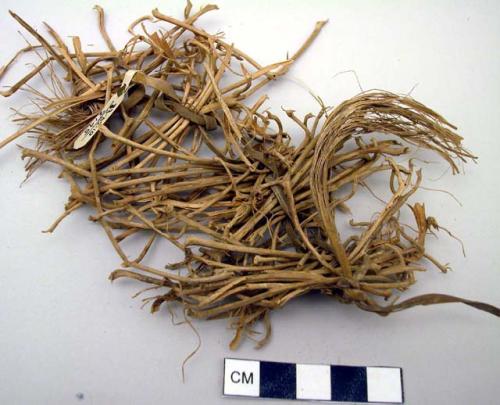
x=65, y=329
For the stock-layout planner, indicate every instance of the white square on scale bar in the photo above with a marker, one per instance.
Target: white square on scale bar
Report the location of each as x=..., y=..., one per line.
x=384, y=384
x=242, y=377
x=313, y=382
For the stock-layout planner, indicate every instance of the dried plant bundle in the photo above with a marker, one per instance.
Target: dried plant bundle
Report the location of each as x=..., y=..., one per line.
x=185, y=157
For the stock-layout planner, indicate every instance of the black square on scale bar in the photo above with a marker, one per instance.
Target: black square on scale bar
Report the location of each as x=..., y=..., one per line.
x=349, y=384
x=277, y=380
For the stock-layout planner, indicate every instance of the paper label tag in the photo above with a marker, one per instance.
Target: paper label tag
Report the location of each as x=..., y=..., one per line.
x=107, y=111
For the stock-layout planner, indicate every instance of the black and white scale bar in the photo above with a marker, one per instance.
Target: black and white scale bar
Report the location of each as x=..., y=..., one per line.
x=267, y=379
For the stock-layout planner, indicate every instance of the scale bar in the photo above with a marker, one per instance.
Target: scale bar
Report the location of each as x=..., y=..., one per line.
x=268, y=379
